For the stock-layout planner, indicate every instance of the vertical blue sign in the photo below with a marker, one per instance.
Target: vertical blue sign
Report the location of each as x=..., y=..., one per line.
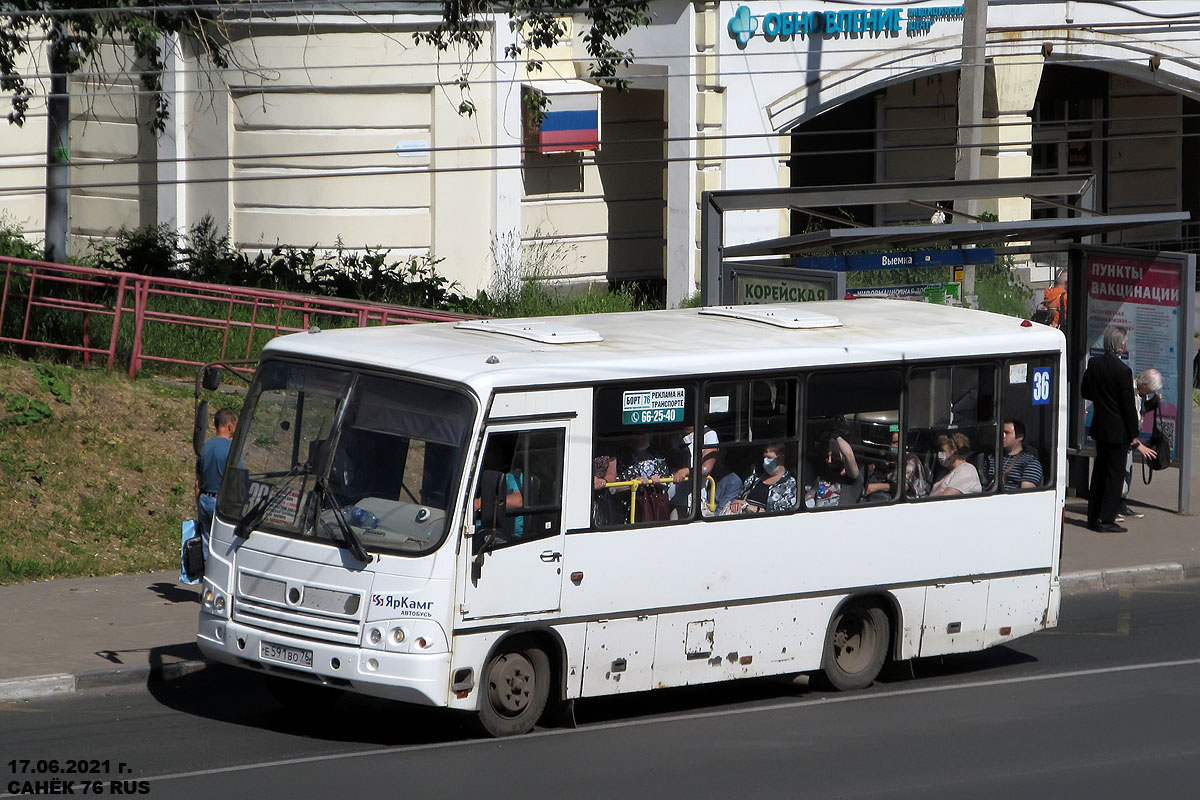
x=1041, y=386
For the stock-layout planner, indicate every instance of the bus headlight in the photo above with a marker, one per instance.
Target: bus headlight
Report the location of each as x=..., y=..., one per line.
x=415, y=636
x=214, y=601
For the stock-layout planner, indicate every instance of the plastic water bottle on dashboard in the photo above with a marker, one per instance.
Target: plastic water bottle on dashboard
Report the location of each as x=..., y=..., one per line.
x=360, y=517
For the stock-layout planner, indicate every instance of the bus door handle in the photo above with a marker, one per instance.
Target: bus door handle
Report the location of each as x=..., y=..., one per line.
x=550, y=556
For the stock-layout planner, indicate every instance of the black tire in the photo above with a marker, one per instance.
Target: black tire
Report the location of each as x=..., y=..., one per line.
x=300, y=695
x=856, y=646
x=515, y=688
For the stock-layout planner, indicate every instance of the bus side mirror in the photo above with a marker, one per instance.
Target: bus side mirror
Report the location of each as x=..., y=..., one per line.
x=198, y=426
x=212, y=378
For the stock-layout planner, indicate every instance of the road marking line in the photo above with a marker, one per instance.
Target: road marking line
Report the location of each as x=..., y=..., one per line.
x=1082, y=673
x=1124, y=611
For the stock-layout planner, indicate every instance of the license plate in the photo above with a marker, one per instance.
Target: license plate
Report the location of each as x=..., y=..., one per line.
x=285, y=655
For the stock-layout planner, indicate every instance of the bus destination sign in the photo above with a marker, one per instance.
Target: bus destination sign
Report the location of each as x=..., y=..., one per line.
x=654, y=405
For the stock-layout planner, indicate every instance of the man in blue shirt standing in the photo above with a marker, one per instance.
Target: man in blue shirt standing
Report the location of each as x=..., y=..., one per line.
x=210, y=469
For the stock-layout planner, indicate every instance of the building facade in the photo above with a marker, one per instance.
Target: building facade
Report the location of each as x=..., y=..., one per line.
x=342, y=126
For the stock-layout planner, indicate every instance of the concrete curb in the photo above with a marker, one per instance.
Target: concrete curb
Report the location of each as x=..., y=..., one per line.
x=1073, y=583
x=1127, y=577
x=47, y=685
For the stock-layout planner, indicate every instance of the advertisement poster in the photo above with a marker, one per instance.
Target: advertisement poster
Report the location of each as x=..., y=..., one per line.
x=1144, y=297
x=941, y=293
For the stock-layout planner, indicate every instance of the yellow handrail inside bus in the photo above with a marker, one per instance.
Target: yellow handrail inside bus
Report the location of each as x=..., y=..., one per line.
x=633, y=487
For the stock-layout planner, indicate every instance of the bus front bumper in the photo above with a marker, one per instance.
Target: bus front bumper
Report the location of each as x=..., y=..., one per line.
x=420, y=678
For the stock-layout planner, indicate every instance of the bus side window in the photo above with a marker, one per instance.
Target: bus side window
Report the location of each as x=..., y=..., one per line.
x=952, y=429
x=530, y=463
x=851, y=420
x=641, y=432
x=1028, y=399
x=747, y=418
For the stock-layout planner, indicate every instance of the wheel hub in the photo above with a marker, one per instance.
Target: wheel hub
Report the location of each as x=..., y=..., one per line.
x=847, y=645
x=512, y=685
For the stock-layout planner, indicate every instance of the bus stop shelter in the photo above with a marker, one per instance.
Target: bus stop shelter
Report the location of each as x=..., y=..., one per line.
x=1149, y=292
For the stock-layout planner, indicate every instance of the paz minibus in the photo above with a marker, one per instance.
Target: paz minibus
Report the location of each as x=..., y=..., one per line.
x=501, y=516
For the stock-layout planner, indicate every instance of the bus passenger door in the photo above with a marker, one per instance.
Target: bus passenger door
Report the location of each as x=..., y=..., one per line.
x=516, y=567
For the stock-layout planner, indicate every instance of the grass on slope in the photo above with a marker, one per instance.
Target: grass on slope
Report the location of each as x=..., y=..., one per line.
x=96, y=472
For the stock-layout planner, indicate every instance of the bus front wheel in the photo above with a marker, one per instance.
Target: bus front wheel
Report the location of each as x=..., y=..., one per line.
x=855, y=646
x=516, y=687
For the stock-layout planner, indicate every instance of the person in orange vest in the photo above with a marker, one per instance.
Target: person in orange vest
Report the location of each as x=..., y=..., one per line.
x=1055, y=300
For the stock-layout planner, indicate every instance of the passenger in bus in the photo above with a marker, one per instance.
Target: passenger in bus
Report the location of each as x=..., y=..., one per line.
x=880, y=488
x=681, y=489
x=834, y=478
x=494, y=459
x=607, y=508
x=770, y=488
x=961, y=477
x=642, y=462
x=1020, y=468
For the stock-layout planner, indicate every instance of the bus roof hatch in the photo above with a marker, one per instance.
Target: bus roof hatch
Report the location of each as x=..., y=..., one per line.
x=544, y=331
x=779, y=316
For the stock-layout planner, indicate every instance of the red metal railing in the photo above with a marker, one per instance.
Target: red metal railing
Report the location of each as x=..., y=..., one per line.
x=55, y=305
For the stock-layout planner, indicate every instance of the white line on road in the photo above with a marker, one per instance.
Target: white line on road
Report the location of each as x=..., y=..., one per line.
x=799, y=703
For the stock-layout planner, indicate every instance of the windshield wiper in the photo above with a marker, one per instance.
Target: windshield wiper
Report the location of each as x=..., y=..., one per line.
x=353, y=543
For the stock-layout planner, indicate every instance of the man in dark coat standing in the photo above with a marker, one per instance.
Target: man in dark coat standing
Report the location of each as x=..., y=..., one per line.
x=1108, y=383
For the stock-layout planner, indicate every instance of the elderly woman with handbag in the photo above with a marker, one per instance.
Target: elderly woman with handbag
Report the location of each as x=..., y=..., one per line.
x=1147, y=395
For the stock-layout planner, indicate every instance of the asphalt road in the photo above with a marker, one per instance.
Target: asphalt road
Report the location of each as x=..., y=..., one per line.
x=1104, y=706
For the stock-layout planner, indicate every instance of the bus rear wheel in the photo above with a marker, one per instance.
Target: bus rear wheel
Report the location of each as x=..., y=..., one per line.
x=516, y=688
x=856, y=646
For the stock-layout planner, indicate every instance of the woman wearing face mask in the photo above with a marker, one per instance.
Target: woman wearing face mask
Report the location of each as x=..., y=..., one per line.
x=916, y=477
x=961, y=476
x=835, y=478
x=771, y=488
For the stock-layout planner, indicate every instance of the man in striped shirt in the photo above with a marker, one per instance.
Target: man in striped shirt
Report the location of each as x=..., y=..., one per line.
x=1020, y=468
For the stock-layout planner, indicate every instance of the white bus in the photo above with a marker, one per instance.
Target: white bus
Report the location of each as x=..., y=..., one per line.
x=500, y=516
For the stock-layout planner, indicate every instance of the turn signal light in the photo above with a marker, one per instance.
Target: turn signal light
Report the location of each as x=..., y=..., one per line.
x=1005, y=631
x=397, y=635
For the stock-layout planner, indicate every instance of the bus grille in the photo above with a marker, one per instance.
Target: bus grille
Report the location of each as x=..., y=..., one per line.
x=313, y=612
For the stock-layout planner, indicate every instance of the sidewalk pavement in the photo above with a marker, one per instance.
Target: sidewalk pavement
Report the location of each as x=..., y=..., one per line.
x=71, y=634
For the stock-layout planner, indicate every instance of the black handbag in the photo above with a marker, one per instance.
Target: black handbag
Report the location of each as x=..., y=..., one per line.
x=1161, y=446
x=1042, y=316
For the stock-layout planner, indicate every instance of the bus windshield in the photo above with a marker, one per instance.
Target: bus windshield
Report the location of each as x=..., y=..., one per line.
x=384, y=453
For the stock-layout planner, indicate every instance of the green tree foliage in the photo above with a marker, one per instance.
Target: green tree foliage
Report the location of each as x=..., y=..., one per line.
x=75, y=31
x=539, y=24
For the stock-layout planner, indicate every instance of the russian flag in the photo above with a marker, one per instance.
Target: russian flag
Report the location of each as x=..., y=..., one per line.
x=572, y=122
